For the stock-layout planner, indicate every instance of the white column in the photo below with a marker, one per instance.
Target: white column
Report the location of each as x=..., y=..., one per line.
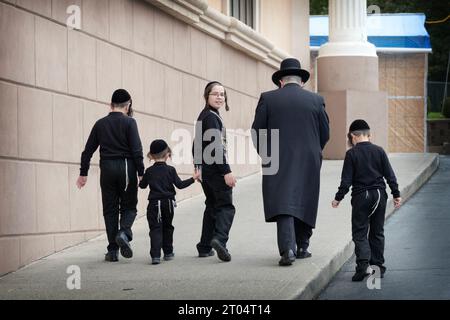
x=347, y=35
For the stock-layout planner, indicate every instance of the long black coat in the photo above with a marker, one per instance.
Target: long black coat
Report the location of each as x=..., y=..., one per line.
x=303, y=126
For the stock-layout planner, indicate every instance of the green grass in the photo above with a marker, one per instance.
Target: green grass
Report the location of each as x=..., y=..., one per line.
x=435, y=115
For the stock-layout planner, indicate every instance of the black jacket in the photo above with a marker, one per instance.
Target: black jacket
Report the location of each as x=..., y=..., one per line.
x=292, y=188
x=161, y=178
x=365, y=167
x=210, y=118
x=118, y=138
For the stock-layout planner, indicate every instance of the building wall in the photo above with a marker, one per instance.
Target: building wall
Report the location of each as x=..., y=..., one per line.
x=55, y=83
x=217, y=4
x=402, y=76
x=276, y=22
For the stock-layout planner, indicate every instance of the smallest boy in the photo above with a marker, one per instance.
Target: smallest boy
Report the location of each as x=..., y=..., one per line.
x=161, y=179
x=365, y=166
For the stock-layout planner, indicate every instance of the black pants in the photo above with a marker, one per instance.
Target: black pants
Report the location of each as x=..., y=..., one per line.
x=292, y=234
x=118, y=197
x=368, y=214
x=219, y=212
x=160, y=217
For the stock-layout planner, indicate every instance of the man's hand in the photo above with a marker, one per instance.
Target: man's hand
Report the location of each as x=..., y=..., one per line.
x=397, y=202
x=81, y=181
x=335, y=203
x=230, y=180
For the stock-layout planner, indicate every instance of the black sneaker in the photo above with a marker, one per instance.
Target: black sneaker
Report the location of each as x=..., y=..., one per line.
x=382, y=270
x=287, y=258
x=222, y=252
x=156, y=260
x=169, y=256
x=122, y=242
x=303, y=254
x=206, y=254
x=112, y=256
x=360, y=275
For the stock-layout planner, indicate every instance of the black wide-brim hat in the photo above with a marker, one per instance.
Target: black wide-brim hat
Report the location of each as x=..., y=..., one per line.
x=290, y=67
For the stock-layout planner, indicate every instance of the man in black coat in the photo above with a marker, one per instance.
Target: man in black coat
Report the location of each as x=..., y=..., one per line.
x=291, y=129
x=121, y=159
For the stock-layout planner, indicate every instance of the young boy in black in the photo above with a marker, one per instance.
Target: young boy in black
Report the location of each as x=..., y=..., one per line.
x=161, y=179
x=365, y=166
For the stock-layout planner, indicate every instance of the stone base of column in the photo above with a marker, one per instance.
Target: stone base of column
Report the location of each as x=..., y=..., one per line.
x=347, y=105
x=335, y=73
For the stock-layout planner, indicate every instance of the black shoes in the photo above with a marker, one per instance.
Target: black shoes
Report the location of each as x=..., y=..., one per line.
x=303, y=254
x=112, y=256
x=382, y=270
x=124, y=245
x=287, y=258
x=222, y=252
x=362, y=271
x=169, y=256
x=156, y=260
x=206, y=254
x=360, y=275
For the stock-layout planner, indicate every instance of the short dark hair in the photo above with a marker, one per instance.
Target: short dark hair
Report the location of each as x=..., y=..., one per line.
x=160, y=155
x=358, y=133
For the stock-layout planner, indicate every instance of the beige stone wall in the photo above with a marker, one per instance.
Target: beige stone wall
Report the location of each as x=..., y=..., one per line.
x=402, y=76
x=55, y=83
x=276, y=22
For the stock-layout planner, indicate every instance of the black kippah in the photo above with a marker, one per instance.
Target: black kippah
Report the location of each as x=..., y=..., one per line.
x=158, y=146
x=120, y=96
x=212, y=82
x=359, y=125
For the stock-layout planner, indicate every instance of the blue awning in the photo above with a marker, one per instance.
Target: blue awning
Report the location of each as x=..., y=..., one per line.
x=400, y=31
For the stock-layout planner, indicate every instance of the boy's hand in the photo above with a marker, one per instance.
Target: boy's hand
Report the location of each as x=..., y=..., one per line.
x=397, y=202
x=196, y=175
x=230, y=180
x=81, y=181
x=335, y=203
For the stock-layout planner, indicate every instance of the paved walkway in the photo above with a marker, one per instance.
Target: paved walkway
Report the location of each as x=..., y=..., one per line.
x=253, y=272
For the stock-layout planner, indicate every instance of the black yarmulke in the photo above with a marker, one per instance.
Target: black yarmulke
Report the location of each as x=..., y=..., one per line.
x=212, y=82
x=158, y=146
x=359, y=125
x=120, y=96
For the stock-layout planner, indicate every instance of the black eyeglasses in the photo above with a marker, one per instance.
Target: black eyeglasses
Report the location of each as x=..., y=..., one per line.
x=218, y=94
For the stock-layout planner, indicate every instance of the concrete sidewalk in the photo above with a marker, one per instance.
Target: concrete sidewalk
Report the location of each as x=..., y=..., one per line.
x=253, y=272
